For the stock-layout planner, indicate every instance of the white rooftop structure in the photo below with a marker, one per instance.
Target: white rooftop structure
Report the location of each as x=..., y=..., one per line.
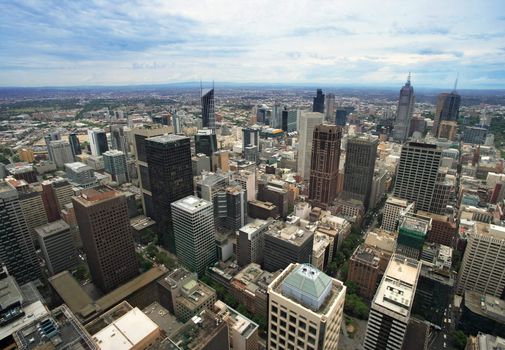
x=192, y=204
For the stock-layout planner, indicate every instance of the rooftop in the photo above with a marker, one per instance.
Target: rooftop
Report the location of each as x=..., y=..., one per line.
x=293, y=234
x=52, y=228
x=238, y=322
x=164, y=319
x=10, y=293
x=78, y=167
x=485, y=305
x=490, y=230
x=414, y=224
x=32, y=311
x=253, y=226
x=167, y=138
x=192, y=204
x=92, y=196
x=113, y=153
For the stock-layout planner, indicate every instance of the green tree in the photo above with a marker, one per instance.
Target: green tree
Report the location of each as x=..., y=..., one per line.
x=458, y=339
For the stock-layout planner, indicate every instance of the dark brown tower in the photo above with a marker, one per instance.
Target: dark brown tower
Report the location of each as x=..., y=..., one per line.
x=324, y=164
x=51, y=205
x=102, y=216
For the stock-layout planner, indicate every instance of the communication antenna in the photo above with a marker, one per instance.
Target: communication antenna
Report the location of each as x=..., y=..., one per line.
x=456, y=83
x=408, y=79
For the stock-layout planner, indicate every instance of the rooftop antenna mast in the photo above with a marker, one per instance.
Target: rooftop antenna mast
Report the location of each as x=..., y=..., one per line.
x=408, y=79
x=456, y=83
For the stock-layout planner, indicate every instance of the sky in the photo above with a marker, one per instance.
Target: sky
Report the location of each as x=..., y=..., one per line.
x=340, y=42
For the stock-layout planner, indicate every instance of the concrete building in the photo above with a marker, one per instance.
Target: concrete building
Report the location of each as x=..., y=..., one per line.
x=391, y=306
x=274, y=193
x=200, y=162
x=97, y=141
x=243, y=332
x=404, y=112
x=251, y=242
x=485, y=342
x=443, y=229
x=262, y=210
x=482, y=313
x=102, y=216
x=321, y=251
x=62, y=153
x=58, y=247
x=22, y=171
x=26, y=155
x=474, y=134
x=308, y=122
x=305, y=309
x=412, y=232
x=448, y=130
x=483, y=266
x=80, y=174
x=193, y=222
x=115, y=164
x=118, y=139
x=324, y=164
x=285, y=244
x=75, y=145
x=17, y=251
x=329, y=108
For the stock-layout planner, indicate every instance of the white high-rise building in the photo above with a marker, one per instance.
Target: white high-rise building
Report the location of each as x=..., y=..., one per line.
x=329, y=108
x=193, y=222
x=392, y=304
x=392, y=210
x=404, y=112
x=308, y=121
x=305, y=309
x=115, y=165
x=61, y=153
x=97, y=139
x=483, y=266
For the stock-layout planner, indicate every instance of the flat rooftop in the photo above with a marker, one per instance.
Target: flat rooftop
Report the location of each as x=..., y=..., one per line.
x=78, y=167
x=52, y=228
x=490, y=230
x=253, y=226
x=163, y=318
x=414, y=224
x=33, y=311
x=397, y=201
x=167, y=138
x=95, y=195
x=290, y=233
x=485, y=305
x=192, y=204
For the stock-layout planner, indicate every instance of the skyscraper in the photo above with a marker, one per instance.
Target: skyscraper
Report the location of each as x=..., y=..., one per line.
x=318, y=105
x=61, y=152
x=115, y=165
x=118, y=139
x=75, y=145
x=359, y=166
x=404, y=112
x=52, y=136
x=392, y=304
x=250, y=136
x=308, y=122
x=205, y=142
x=447, y=109
x=170, y=177
x=417, y=173
x=97, y=141
x=193, y=224
x=340, y=117
x=102, y=216
x=276, y=118
x=208, y=116
x=329, y=107
x=305, y=309
x=17, y=251
x=324, y=164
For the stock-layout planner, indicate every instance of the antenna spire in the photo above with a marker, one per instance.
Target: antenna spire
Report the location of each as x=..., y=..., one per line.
x=456, y=83
x=408, y=79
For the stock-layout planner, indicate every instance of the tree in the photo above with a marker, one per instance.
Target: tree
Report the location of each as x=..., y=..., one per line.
x=458, y=339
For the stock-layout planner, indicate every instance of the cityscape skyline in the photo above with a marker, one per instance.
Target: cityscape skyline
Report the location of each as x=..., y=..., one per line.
x=83, y=44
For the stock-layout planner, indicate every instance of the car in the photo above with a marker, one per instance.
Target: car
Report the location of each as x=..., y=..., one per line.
x=445, y=336
x=445, y=345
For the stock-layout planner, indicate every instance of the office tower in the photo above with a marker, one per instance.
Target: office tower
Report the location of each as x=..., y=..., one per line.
x=417, y=173
x=443, y=228
x=448, y=130
x=139, y=147
x=52, y=136
x=329, y=107
x=289, y=120
x=231, y=203
x=251, y=242
x=75, y=145
x=341, y=117
x=308, y=122
x=22, y=171
x=244, y=334
x=80, y=174
x=276, y=118
x=412, y=232
x=118, y=139
x=483, y=266
x=115, y=165
x=57, y=245
x=200, y=162
x=305, y=309
x=170, y=177
x=97, y=141
x=26, y=155
x=447, y=109
x=318, y=105
x=474, y=134
x=102, y=216
x=193, y=225
x=392, y=210
x=324, y=165
x=50, y=201
x=286, y=243
x=275, y=193
x=404, y=112
x=359, y=166
x=61, y=153
x=221, y=160
x=176, y=123
x=206, y=142
x=17, y=251
x=250, y=136
x=208, y=117
x=392, y=304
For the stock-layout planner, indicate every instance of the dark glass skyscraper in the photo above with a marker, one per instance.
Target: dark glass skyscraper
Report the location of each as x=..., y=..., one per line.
x=359, y=166
x=171, y=179
x=75, y=145
x=208, y=116
x=118, y=139
x=318, y=105
x=447, y=109
x=340, y=117
x=205, y=142
x=324, y=164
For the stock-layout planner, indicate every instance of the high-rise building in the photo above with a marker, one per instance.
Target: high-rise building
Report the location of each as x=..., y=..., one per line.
x=251, y=242
x=359, y=166
x=243, y=332
x=318, y=105
x=404, y=112
x=139, y=136
x=417, y=174
x=206, y=142
x=392, y=304
x=170, y=177
x=250, y=136
x=412, y=232
x=208, y=117
x=118, y=139
x=391, y=215
x=104, y=225
x=483, y=266
x=52, y=136
x=26, y=155
x=274, y=192
x=276, y=118
x=341, y=116
x=305, y=309
x=75, y=145
x=97, y=141
x=308, y=122
x=61, y=153
x=80, y=174
x=50, y=201
x=57, y=245
x=289, y=120
x=17, y=251
x=447, y=109
x=329, y=108
x=193, y=225
x=324, y=164
x=115, y=164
